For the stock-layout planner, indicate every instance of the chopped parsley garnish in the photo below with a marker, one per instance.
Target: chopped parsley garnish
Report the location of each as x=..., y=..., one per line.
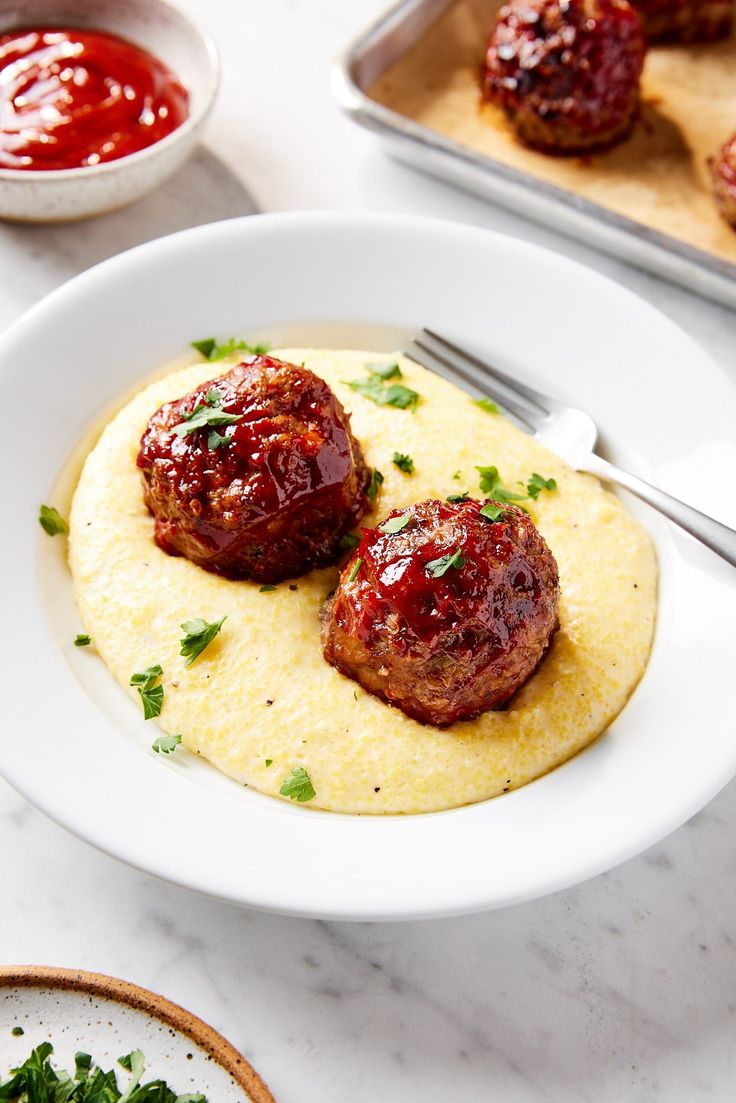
x=210, y=349
x=389, y=370
x=395, y=524
x=356, y=568
x=395, y=394
x=267, y=588
x=37, y=1081
x=375, y=483
x=438, y=567
x=457, y=475
x=166, y=744
x=17, y=1031
x=198, y=634
x=268, y=761
x=206, y=346
x=403, y=462
x=216, y=440
x=298, y=786
x=538, y=483
x=490, y=484
x=348, y=542
x=151, y=695
x=51, y=521
x=209, y=415
x=82, y=640
x=491, y=512
x=458, y=497
x=486, y=404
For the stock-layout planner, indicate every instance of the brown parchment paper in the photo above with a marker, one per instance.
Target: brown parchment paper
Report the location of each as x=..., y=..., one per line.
x=658, y=176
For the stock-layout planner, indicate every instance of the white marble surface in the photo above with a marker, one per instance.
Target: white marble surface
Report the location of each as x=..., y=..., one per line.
x=621, y=989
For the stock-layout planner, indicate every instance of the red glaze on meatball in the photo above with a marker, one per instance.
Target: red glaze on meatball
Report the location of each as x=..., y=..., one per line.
x=723, y=169
x=566, y=72
x=268, y=492
x=685, y=20
x=448, y=616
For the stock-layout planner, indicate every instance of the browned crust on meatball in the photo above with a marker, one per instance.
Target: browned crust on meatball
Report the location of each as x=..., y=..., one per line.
x=449, y=648
x=566, y=72
x=266, y=497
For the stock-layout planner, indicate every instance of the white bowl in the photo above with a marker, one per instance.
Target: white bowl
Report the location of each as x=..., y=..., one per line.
x=74, y=743
x=59, y=195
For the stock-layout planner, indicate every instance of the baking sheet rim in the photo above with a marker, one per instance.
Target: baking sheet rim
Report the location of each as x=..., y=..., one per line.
x=593, y=224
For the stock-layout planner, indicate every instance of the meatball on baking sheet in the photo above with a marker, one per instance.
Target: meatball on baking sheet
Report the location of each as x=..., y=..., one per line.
x=658, y=176
x=261, y=701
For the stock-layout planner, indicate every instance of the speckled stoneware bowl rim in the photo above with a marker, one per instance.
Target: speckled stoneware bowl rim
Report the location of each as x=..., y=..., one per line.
x=141, y=999
x=192, y=121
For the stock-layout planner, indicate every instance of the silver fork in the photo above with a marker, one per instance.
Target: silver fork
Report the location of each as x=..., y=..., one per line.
x=564, y=429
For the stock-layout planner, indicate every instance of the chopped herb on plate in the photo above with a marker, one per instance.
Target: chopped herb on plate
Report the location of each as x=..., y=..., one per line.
x=37, y=1081
x=166, y=744
x=389, y=370
x=439, y=567
x=51, y=521
x=82, y=640
x=375, y=484
x=356, y=568
x=211, y=350
x=490, y=484
x=403, y=462
x=395, y=524
x=199, y=634
x=152, y=695
x=537, y=483
x=491, y=511
x=207, y=416
x=459, y=497
x=298, y=786
x=267, y=588
x=395, y=394
x=486, y=404
x=217, y=440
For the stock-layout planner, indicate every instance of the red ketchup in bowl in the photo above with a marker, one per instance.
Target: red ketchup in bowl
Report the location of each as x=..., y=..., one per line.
x=75, y=98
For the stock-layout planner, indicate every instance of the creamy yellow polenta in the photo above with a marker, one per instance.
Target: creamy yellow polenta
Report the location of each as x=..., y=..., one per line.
x=262, y=691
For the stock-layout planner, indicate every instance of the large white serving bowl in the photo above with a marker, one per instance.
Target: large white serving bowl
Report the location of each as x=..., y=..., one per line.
x=61, y=195
x=77, y=746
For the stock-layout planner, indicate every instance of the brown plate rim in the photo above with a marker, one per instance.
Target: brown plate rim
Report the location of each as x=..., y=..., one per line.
x=142, y=999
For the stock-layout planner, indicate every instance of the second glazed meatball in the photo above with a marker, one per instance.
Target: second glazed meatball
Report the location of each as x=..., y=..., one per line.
x=566, y=72
x=255, y=474
x=445, y=609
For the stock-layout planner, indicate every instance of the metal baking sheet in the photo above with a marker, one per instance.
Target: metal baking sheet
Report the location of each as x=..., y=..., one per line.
x=396, y=33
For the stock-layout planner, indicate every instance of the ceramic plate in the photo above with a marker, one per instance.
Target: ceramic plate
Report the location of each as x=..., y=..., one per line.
x=75, y=745
x=108, y=1018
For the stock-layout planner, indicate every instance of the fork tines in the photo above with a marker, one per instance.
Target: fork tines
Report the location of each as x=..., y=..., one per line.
x=443, y=356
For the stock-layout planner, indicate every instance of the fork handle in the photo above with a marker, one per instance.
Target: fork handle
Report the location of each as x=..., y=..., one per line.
x=719, y=538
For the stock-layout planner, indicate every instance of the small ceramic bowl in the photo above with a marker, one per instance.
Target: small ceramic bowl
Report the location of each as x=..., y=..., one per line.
x=106, y=1017
x=59, y=195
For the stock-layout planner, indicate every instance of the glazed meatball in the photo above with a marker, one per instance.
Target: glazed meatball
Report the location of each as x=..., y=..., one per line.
x=685, y=20
x=444, y=611
x=566, y=72
x=255, y=474
x=723, y=169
